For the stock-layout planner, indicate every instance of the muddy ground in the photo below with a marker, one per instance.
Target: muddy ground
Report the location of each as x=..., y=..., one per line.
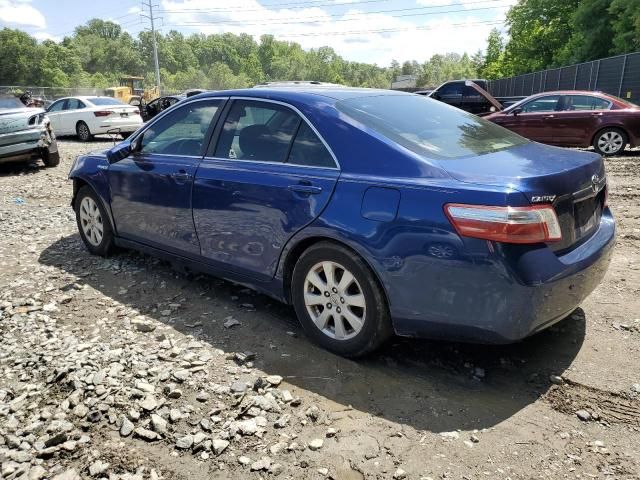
x=417, y=410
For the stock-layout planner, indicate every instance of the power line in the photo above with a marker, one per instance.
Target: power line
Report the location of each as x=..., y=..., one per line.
x=368, y=31
x=306, y=4
x=354, y=17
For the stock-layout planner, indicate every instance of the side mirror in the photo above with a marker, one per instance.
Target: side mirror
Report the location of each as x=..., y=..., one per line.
x=435, y=95
x=119, y=152
x=516, y=111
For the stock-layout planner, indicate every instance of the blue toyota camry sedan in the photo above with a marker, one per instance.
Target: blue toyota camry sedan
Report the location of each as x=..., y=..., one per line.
x=372, y=212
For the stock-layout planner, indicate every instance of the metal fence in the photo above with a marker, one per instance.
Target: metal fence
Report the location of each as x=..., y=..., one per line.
x=619, y=75
x=51, y=93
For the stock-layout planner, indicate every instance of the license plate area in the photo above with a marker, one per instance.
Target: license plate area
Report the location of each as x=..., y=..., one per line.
x=587, y=214
x=124, y=114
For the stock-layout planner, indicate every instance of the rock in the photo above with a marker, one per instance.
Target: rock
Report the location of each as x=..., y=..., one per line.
x=399, y=474
x=149, y=403
x=56, y=440
x=313, y=413
x=218, y=446
x=202, y=396
x=145, y=327
x=230, y=322
x=479, y=372
x=80, y=411
x=70, y=474
x=286, y=396
x=184, y=443
x=37, y=473
x=181, y=375
x=323, y=471
x=263, y=464
x=276, y=448
x=276, y=469
x=98, y=468
x=274, y=380
x=316, y=444
x=242, y=460
x=583, y=415
x=239, y=387
x=635, y=388
x=450, y=435
x=474, y=439
x=556, y=379
x=159, y=424
x=331, y=432
x=146, y=434
x=127, y=427
x=95, y=416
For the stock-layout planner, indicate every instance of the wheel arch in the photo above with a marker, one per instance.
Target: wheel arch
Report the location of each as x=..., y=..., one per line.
x=78, y=183
x=297, y=248
x=609, y=127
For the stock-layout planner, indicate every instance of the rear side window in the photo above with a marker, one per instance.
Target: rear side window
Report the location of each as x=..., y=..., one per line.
x=452, y=89
x=74, y=104
x=543, y=104
x=257, y=131
x=309, y=150
x=428, y=127
x=585, y=102
x=104, y=101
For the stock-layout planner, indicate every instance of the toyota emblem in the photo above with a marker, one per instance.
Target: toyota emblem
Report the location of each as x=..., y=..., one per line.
x=594, y=183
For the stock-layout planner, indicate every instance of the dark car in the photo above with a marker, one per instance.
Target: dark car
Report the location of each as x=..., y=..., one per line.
x=156, y=106
x=468, y=95
x=370, y=211
x=575, y=119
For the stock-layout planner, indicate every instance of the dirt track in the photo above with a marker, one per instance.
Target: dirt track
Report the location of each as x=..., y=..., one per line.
x=417, y=410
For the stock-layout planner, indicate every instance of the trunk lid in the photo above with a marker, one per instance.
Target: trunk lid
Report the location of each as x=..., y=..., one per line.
x=17, y=119
x=573, y=182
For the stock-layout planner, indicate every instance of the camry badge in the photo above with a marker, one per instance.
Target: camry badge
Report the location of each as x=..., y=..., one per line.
x=543, y=198
x=595, y=180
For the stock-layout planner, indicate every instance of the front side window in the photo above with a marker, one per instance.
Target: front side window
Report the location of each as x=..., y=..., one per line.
x=257, y=131
x=584, y=102
x=427, y=127
x=542, y=104
x=57, y=106
x=182, y=132
x=452, y=89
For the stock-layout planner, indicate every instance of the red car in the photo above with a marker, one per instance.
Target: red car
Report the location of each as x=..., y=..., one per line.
x=574, y=119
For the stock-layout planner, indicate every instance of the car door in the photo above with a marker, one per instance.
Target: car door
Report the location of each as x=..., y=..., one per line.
x=71, y=114
x=268, y=175
x=151, y=189
x=54, y=112
x=533, y=119
x=578, y=119
x=450, y=93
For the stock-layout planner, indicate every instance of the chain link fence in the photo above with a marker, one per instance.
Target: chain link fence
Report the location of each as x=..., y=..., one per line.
x=50, y=93
x=619, y=75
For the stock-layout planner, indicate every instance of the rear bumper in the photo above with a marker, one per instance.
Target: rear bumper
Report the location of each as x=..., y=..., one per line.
x=503, y=297
x=24, y=144
x=125, y=125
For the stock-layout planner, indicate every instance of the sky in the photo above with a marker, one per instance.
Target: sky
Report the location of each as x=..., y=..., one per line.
x=372, y=31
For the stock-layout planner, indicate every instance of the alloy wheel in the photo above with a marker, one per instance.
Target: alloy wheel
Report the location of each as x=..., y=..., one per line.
x=610, y=142
x=334, y=300
x=83, y=132
x=91, y=221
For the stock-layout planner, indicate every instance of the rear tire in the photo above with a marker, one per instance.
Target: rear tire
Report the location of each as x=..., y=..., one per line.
x=83, y=132
x=610, y=141
x=93, y=223
x=338, y=301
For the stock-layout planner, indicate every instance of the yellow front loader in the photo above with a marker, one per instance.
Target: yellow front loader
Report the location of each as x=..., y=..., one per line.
x=132, y=92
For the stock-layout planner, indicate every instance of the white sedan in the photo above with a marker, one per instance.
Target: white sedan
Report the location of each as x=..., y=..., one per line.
x=88, y=116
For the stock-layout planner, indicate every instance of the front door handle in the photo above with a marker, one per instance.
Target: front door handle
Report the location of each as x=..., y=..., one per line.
x=546, y=117
x=597, y=114
x=180, y=176
x=306, y=189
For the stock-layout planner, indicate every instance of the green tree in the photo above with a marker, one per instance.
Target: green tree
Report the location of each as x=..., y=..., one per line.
x=625, y=23
x=591, y=33
x=17, y=52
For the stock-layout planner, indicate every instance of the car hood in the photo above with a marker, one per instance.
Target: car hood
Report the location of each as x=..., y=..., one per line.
x=533, y=169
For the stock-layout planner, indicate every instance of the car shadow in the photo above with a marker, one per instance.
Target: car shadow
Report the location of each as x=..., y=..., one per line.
x=430, y=385
x=12, y=169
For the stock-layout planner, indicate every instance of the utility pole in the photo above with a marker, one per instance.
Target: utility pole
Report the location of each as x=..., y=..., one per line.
x=151, y=18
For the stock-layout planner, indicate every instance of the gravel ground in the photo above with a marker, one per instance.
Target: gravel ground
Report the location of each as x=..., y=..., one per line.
x=126, y=369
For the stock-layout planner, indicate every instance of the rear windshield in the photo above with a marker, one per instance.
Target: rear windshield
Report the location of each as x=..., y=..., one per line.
x=104, y=101
x=428, y=127
x=10, y=102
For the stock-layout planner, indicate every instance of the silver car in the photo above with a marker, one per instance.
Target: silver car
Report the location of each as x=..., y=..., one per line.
x=26, y=134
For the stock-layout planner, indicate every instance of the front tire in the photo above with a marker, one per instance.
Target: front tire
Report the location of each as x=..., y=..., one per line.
x=610, y=141
x=83, y=132
x=93, y=223
x=50, y=159
x=339, y=302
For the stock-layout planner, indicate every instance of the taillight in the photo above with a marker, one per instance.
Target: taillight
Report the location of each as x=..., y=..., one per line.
x=102, y=113
x=533, y=224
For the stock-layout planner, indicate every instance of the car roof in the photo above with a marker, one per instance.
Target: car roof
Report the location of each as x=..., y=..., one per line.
x=329, y=94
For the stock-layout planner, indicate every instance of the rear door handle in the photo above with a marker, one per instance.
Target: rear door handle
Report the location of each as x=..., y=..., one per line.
x=597, y=114
x=306, y=189
x=548, y=116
